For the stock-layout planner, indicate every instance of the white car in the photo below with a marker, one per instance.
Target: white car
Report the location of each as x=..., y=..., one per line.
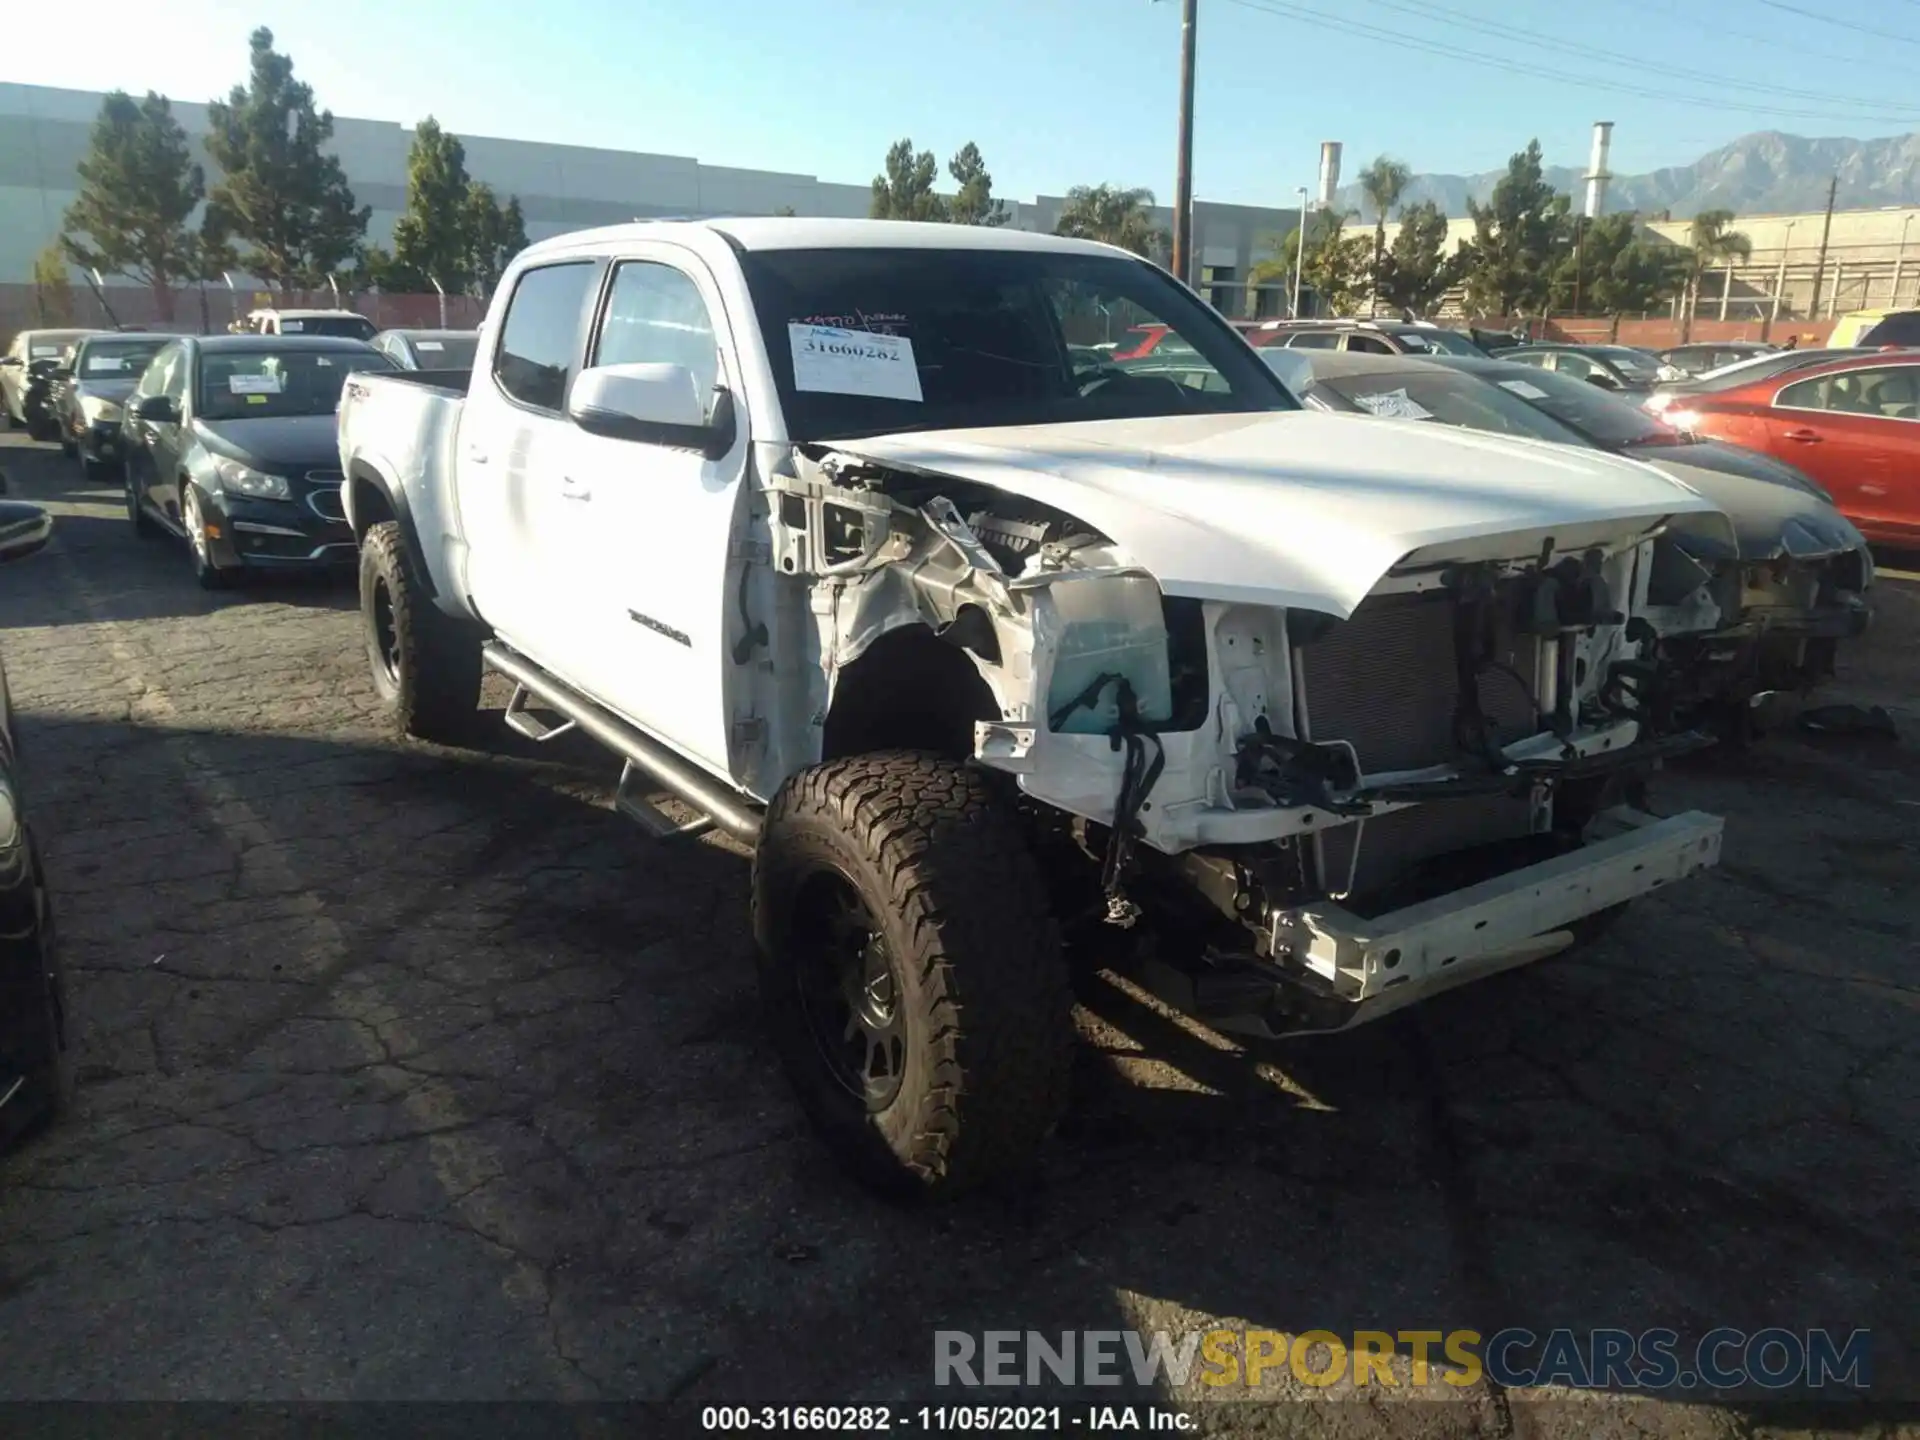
x=841, y=533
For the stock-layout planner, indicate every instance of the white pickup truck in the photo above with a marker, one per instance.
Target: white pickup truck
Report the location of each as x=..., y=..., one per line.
x=853, y=537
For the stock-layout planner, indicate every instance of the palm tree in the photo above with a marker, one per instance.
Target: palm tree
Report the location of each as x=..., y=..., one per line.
x=1383, y=183
x=1714, y=242
x=1111, y=214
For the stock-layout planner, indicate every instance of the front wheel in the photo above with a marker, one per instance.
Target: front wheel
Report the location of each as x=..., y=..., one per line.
x=910, y=972
x=426, y=665
x=210, y=575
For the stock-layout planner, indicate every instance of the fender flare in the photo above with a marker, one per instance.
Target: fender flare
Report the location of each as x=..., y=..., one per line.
x=363, y=470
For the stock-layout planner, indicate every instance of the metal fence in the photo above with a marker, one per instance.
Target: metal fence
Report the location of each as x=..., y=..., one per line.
x=212, y=309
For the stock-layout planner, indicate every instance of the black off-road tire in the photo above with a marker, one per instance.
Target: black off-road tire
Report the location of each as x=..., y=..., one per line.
x=942, y=869
x=426, y=665
x=47, y=1091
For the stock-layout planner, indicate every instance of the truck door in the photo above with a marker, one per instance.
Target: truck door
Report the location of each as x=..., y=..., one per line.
x=655, y=530
x=510, y=463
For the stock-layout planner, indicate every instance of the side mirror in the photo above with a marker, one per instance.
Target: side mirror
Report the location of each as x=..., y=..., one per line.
x=24, y=529
x=158, y=410
x=11, y=362
x=653, y=405
x=62, y=372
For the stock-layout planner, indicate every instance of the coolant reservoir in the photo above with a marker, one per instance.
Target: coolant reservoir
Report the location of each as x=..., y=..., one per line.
x=1109, y=626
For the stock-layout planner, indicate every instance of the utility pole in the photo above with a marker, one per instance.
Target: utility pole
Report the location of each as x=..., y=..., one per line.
x=1183, y=165
x=1300, y=254
x=1820, y=265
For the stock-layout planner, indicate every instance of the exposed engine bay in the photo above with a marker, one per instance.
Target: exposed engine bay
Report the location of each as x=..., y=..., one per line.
x=1472, y=716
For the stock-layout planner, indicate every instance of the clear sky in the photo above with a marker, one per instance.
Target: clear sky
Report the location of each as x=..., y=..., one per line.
x=1055, y=92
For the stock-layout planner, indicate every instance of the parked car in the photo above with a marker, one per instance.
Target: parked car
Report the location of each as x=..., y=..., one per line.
x=428, y=349
x=1619, y=368
x=26, y=375
x=814, y=526
x=1799, y=581
x=229, y=444
x=94, y=382
x=1371, y=337
x=347, y=324
x=1740, y=372
x=1855, y=329
x=1852, y=423
x=36, y=1066
x=1894, y=328
x=1699, y=358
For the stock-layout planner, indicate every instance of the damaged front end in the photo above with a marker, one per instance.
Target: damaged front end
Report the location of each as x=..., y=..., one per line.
x=1340, y=813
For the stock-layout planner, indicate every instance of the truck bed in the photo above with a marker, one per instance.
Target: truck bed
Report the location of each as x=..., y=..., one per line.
x=450, y=382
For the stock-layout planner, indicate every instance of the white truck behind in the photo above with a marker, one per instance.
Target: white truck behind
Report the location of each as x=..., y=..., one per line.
x=853, y=537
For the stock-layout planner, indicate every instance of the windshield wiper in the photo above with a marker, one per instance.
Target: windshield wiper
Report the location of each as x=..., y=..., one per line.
x=1677, y=437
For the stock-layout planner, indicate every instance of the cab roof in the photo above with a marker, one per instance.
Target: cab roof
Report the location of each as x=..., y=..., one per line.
x=763, y=232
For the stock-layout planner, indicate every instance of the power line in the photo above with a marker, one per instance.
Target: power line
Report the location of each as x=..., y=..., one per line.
x=1453, y=52
x=1722, y=32
x=1443, y=15
x=1843, y=24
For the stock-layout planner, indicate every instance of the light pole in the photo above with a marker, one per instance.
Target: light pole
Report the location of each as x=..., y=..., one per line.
x=1183, y=163
x=1300, y=256
x=1900, y=259
x=1780, y=280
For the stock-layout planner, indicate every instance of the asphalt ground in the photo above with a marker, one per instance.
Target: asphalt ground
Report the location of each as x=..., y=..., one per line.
x=417, y=1074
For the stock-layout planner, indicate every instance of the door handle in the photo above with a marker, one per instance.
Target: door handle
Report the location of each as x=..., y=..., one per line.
x=571, y=489
x=1805, y=437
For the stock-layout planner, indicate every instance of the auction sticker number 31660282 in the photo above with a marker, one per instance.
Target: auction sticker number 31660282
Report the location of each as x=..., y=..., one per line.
x=853, y=362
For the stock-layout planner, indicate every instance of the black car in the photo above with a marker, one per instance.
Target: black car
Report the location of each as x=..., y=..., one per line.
x=93, y=384
x=429, y=349
x=229, y=443
x=1702, y=356
x=36, y=1071
x=1619, y=368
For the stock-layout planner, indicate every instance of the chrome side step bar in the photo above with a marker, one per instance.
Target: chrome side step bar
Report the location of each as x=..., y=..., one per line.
x=644, y=756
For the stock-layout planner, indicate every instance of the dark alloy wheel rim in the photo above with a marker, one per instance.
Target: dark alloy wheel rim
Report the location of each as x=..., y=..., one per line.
x=386, y=634
x=849, y=993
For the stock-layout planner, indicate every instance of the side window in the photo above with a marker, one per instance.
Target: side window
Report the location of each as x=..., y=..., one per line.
x=655, y=316
x=179, y=372
x=153, y=380
x=1889, y=393
x=1314, y=340
x=1805, y=395
x=539, y=337
x=1368, y=345
x=1578, y=366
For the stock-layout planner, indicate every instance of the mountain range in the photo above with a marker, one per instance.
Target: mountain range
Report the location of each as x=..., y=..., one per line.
x=1766, y=173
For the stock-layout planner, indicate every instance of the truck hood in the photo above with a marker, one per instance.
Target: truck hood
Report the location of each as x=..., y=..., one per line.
x=1300, y=508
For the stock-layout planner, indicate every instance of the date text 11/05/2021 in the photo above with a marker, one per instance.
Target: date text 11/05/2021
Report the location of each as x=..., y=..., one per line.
x=1410, y=1361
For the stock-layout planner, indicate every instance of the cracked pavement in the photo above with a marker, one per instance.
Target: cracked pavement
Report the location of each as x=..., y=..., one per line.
x=412, y=1073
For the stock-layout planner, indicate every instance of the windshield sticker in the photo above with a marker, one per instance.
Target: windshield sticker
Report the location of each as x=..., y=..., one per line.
x=256, y=399
x=46, y=352
x=879, y=322
x=102, y=364
x=260, y=385
x=837, y=361
x=1393, y=405
x=1523, y=389
x=428, y=345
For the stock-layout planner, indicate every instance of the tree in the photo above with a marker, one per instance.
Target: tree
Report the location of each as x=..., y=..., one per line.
x=495, y=233
x=138, y=189
x=973, y=203
x=280, y=190
x=905, y=191
x=1616, y=270
x=1113, y=215
x=1417, y=271
x=1713, y=242
x=1337, y=267
x=1383, y=182
x=430, y=239
x=1519, y=238
x=52, y=290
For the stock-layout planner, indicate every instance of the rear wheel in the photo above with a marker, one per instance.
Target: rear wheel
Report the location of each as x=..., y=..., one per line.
x=910, y=972
x=426, y=665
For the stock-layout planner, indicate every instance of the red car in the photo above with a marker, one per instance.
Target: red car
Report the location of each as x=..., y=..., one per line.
x=1852, y=424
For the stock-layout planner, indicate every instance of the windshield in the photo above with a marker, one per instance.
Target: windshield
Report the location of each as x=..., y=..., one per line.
x=1448, y=342
x=116, y=359
x=255, y=384
x=873, y=341
x=445, y=352
x=1602, y=419
x=1451, y=397
x=351, y=327
x=1631, y=363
